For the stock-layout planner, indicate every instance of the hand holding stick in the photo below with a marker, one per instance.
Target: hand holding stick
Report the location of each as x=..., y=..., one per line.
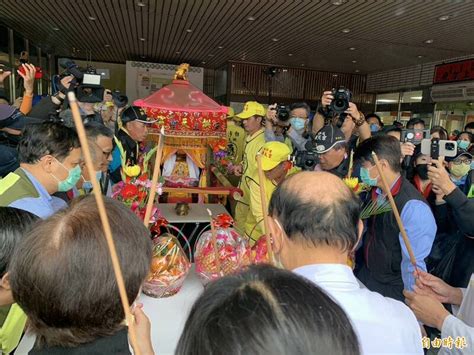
x=103, y=217
x=154, y=179
x=387, y=191
x=263, y=199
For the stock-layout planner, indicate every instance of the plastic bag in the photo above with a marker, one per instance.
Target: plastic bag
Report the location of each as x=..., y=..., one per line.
x=232, y=253
x=169, y=268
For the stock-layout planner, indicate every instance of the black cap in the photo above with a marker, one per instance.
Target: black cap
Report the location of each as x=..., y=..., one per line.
x=327, y=138
x=460, y=153
x=10, y=117
x=135, y=113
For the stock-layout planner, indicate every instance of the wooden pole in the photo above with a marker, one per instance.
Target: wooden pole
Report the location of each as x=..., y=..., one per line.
x=103, y=217
x=388, y=192
x=154, y=179
x=214, y=243
x=263, y=200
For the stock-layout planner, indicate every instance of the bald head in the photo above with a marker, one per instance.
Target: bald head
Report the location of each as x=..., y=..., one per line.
x=321, y=187
x=317, y=208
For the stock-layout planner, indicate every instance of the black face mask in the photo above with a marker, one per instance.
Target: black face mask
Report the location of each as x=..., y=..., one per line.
x=422, y=171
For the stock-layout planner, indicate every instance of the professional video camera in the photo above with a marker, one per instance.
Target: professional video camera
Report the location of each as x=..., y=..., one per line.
x=86, y=83
x=306, y=159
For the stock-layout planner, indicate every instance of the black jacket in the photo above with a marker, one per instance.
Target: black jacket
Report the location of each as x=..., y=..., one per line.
x=452, y=256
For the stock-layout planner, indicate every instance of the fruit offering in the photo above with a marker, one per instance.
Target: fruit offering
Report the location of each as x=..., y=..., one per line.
x=229, y=256
x=169, y=268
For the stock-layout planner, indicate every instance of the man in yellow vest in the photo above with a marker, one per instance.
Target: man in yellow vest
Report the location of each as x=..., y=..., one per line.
x=276, y=166
x=252, y=119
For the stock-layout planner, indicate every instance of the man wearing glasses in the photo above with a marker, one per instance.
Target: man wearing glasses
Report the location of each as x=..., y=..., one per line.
x=100, y=141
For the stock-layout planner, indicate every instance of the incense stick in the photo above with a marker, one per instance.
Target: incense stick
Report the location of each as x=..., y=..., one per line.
x=214, y=243
x=263, y=201
x=395, y=210
x=154, y=179
x=104, y=218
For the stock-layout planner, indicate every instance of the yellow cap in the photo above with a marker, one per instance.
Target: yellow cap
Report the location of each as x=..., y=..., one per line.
x=230, y=112
x=274, y=153
x=252, y=108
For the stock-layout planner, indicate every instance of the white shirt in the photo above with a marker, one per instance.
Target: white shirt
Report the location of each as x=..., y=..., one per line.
x=383, y=325
x=461, y=324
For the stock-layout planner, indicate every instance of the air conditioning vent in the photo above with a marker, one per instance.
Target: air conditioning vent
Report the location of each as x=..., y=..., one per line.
x=453, y=92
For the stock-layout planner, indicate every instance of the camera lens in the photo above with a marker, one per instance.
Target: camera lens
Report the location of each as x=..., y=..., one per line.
x=449, y=146
x=410, y=135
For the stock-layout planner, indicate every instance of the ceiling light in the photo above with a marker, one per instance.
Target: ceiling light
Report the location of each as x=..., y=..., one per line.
x=142, y=39
x=386, y=101
x=141, y=4
x=416, y=97
x=251, y=18
x=189, y=30
x=92, y=18
x=302, y=64
x=334, y=75
x=211, y=55
x=444, y=18
x=338, y=2
x=419, y=56
x=203, y=62
x=429, y=41
x=357, y=70
x=354, y=61
x=346, y=30
x=55, y=29
x=275, y=39
x=220, y=47
x=352, y=48
x=290, y=54
x=178, y=52
x=107, y=45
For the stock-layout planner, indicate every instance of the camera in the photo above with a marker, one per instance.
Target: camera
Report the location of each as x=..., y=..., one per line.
x=436, y=148
x=118, y=99
x=414, y=136
x=306, y=159
x=282, y=113
x=340, y=103
x=86, y=83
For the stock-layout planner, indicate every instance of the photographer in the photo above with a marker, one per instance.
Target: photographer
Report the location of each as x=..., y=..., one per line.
x=453, y=213
x=292, y=125
x=353, y=120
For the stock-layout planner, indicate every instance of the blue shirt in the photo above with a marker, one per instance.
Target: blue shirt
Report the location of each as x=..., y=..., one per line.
x=43, y=206
x=420, y=226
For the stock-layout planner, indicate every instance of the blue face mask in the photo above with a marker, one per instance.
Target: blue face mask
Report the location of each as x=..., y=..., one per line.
x=374, y=128
x=73, y=177
x=365, y=177
x=297, y=123
x=87, y=185
x=463, y=144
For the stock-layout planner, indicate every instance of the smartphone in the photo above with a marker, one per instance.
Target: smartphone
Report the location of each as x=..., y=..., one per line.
x=436, y=148
x=414, y=136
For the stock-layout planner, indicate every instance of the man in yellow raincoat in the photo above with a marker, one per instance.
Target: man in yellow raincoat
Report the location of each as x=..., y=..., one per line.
x=252, y=119
x=276, y=166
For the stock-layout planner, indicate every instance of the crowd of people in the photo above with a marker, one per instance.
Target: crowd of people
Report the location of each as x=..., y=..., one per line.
x=346, y=281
